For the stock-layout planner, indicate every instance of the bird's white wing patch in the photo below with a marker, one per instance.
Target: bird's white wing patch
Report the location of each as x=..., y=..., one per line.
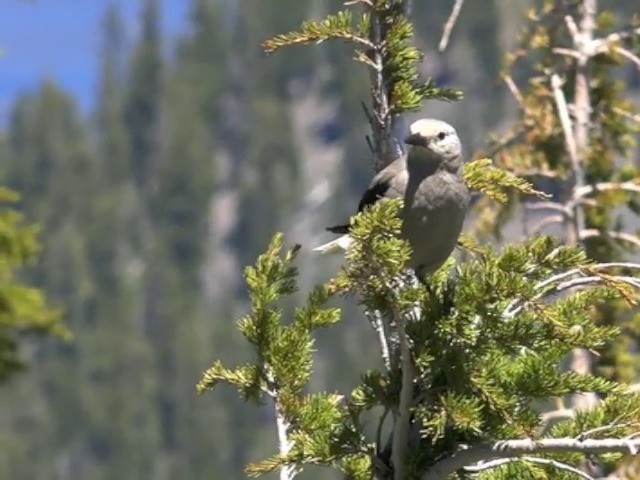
x=338, y=245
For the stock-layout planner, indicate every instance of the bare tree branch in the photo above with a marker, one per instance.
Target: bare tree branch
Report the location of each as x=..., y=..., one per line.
x=629, y=55
x=602, y=44
x=592, y=280
x=585, y=190
x=565, y=121
x=603, y=428
x=403, y=419
x=596, y=267
x=565, y=281
x=545, y=222
x=626, y=114
x=623, y=236
x=378, y=324
x=287, y=472
x=385, y=147
x=543, y=461
x=568, y=52
x=582, y=42
x=529, y=173
x=553, y=206
x=448, y=27
x=517, y=448
x=513, y=88
x=516, y=307
x=573, y=28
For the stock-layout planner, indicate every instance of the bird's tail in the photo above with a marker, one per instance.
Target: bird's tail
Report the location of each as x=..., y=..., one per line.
x=338, y=245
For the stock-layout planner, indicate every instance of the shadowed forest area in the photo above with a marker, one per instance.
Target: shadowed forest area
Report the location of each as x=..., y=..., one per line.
x=150, y=206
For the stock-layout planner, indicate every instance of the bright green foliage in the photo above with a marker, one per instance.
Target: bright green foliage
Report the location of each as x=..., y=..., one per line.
x=489, y=341
x=338, y=26
x=399, y=58
x=278, y=345
x=496, y=183
x=22, y=308
x=284, y=359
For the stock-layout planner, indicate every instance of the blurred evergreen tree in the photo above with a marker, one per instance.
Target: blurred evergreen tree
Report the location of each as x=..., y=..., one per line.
x=143, y=103
x=267, y=178
x=112, y=134
x=117, y=396
x=49, y=163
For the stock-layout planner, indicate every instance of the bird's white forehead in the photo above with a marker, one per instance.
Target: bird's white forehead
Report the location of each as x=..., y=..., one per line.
x=429, y=127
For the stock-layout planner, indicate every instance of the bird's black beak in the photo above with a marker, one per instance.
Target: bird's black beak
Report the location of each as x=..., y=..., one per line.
x=416, y=139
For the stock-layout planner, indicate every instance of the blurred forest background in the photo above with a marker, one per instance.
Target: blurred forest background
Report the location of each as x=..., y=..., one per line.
x=197, y=150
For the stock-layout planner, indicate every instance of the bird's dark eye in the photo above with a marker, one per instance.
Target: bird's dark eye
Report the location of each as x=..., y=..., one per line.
x=441, y=135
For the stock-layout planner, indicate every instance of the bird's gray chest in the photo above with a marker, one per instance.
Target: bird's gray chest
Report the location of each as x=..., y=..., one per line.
x=433, y=197
x=433, y=215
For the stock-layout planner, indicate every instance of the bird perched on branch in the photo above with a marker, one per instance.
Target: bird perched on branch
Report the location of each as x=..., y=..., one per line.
x=429, y=180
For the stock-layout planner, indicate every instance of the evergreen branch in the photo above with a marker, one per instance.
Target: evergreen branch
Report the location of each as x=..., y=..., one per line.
x=429, y=89
x=283, y=350
x=517, y=448
x=385, y=32
x=481, y=466
x=244, y=378
x=482, y=176
x=336, y=26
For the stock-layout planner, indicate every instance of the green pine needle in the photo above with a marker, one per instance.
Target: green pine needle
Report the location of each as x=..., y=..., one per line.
x=495, y=182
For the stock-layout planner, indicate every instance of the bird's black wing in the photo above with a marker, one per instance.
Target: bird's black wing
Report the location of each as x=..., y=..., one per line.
x=371, y=196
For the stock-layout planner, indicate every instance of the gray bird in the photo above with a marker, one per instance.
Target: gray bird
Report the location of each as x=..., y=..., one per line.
x=430, y=182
